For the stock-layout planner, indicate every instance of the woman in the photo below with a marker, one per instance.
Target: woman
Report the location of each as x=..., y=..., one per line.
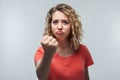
x=62, y=56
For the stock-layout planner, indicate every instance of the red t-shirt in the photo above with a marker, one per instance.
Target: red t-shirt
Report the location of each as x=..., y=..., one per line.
x=68, y=68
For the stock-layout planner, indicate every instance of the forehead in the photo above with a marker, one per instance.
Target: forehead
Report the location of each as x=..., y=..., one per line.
x=59, y=15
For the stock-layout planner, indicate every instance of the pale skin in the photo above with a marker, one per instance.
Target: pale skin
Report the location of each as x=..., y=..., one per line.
x=61, y=29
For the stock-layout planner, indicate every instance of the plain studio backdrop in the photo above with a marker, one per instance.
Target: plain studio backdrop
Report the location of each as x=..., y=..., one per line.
x=22, y=26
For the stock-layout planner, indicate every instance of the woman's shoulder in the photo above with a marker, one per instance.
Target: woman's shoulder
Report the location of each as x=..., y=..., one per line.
x=38, y=54
x=82, y=46
x=40, y=49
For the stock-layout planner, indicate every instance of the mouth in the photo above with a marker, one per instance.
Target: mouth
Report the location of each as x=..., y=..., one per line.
x=59, y=32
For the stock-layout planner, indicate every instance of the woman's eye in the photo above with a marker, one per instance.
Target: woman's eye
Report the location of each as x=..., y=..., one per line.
x=55, y=22
x=65, y=22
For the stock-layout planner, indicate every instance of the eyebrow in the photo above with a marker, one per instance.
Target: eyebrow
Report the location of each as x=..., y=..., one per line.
x=60, y=20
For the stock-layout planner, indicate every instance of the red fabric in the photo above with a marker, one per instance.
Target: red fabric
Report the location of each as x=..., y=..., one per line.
x=68, y=68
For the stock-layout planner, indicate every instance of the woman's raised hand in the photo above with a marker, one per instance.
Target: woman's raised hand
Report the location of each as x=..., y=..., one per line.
x=49, y=45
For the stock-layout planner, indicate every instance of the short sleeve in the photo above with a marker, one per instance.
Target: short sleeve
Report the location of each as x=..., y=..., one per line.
x=88, y=58
x=38, y=55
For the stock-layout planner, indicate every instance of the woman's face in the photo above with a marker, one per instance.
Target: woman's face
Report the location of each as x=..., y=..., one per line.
x=60, y=25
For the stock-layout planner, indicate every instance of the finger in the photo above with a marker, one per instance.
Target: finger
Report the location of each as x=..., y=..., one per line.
x=45, y=37
x=54, y=42
x=47, y=40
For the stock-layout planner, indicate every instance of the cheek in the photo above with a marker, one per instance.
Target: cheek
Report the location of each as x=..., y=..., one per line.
x=68, y=30
x=53, y=29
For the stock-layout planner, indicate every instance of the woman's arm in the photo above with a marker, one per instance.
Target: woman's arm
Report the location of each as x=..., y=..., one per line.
x=87, y=74
x=43, y=65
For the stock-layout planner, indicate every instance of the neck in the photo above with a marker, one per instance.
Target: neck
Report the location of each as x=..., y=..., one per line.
x=64, y=48
x=63, y=44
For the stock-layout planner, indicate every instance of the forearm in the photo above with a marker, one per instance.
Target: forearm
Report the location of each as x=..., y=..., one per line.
x=87, y=74
x=43, y=67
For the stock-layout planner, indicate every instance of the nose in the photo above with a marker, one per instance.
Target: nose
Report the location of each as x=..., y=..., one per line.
x=60, y=27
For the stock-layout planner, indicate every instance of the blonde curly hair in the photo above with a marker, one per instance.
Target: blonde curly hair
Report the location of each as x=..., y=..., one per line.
x=76, y=33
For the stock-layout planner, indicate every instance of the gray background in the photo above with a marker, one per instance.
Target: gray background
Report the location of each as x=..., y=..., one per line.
x=21, y=28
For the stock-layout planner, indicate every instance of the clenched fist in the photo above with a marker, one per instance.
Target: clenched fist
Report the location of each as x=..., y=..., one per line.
x=49, y=45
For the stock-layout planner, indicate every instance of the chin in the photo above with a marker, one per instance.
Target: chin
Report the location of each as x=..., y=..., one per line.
x=59, y=37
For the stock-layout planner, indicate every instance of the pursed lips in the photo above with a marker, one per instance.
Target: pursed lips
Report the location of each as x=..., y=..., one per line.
x=59, y=32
